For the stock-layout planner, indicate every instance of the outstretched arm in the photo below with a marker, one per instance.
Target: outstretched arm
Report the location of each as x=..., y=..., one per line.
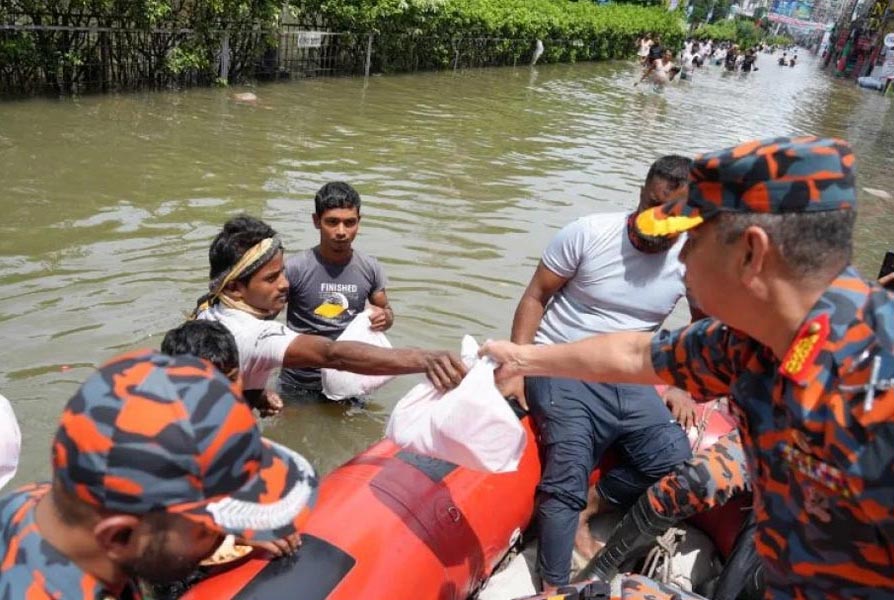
x=624, y=357
x=444, y=369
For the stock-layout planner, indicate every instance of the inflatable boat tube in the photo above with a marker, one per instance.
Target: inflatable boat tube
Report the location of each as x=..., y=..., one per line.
x=394, y=524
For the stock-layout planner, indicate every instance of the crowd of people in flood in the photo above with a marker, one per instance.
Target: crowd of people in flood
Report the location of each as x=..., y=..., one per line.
x=788, y=61
x=158, y=455
x=661, y=65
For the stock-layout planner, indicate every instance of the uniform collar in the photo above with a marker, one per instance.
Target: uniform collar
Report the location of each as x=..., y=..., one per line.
x=826, y=322
x=69, y=578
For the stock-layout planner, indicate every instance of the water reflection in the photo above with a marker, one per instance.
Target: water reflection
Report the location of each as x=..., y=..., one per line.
x=111, y=201
x=334, y=431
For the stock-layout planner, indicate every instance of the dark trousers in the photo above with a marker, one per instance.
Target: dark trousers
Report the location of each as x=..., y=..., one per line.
x=577, y=422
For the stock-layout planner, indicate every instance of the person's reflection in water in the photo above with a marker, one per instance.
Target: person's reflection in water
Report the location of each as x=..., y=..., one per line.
x=336, y=431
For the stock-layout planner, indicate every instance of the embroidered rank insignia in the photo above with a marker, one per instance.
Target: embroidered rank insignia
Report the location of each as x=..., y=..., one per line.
x=800, y=440
x=804, y=348
x=822, y=473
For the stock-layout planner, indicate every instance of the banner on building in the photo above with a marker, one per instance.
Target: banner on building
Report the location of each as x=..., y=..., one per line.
x=799, y=9
x=786, y=20
x=887, y=69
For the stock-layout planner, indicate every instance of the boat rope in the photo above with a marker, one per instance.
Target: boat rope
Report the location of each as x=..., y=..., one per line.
x=658, y=563
x=703, y=423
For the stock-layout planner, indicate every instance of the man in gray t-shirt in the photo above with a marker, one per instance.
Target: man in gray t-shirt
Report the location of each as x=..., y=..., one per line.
x=599, y=275
x=331, y=283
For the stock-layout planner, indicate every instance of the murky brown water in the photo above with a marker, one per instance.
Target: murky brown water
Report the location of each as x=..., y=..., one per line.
x=109, y=203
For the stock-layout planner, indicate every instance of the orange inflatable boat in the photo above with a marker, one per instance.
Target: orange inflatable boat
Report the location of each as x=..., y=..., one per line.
x=393, y=524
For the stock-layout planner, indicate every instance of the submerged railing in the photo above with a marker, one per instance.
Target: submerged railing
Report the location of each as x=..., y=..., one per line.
x=102, y=54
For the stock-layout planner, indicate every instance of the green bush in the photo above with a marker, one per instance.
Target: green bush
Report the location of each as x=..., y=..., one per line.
x=145, y=46
x=587, y=31
x=741, y=31
x=74, y=54
x=779, y=40
x=725, y=31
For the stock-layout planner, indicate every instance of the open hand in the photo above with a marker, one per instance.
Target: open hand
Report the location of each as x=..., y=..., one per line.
x=507, y=355
x=281, y=547
x=380, y=318
x=681, y=405
x=269, y=404
x=514, y=387
x=445, y=370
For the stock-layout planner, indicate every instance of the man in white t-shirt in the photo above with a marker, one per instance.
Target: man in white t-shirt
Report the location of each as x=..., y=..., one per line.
x=600, y=275
x=248, y=289
x=687, y=63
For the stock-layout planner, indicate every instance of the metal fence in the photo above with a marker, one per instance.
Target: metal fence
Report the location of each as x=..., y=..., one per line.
x=64, y=59
x=69, y=60
x=306, y=53
x=49, y=54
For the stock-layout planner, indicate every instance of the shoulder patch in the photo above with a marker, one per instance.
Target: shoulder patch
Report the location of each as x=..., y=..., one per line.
x=805, y=347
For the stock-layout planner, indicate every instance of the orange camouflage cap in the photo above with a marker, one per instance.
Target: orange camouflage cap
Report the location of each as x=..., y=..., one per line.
x=149, y=432
x=779, y=175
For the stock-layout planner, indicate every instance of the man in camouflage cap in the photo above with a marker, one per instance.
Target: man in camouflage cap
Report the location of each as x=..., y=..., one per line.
x=155, y=460
x=798, y=338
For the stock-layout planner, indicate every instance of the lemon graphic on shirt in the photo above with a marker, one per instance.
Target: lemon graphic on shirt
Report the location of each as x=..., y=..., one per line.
x=334, y=304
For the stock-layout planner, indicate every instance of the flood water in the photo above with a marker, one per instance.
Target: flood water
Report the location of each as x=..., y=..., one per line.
x=110, y=202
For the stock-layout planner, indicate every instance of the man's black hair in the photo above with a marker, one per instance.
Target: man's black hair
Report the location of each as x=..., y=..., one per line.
x=336, y=194
x=672, y=168
x=206, y=339
x=238, y=235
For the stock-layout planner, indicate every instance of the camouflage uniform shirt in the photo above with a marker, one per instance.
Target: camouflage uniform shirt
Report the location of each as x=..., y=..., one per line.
x=818, y=438
x=32, y=569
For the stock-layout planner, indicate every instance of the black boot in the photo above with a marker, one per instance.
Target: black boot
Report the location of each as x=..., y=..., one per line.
x=742, y=575
x=635, y=533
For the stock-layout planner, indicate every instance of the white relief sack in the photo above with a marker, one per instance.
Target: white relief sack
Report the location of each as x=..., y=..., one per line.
x=10, y=442
x=341, y=385
x=472, y=425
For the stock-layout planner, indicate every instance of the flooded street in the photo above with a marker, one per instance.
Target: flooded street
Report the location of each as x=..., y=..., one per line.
x=110, y=202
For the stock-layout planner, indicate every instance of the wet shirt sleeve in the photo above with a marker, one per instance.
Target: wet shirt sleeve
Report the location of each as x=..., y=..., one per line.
x=564, y=252
x=380, y=281
x=262, y=349
x=293, y=271
x=701, y=358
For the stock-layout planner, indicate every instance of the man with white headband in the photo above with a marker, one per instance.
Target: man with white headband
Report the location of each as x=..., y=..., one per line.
x=248, y=289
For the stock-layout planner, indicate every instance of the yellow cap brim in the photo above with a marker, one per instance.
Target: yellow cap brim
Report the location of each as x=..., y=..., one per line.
x=666, y=220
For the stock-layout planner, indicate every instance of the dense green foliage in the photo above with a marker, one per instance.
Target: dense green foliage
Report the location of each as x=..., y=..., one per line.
x=779, y=40
x=570, y=30
x=740, y=31
x=133, y=43
x=709, y=11
x=125, y=44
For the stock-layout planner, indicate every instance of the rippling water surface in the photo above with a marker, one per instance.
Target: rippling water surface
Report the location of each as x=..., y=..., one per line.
x=110, y=202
